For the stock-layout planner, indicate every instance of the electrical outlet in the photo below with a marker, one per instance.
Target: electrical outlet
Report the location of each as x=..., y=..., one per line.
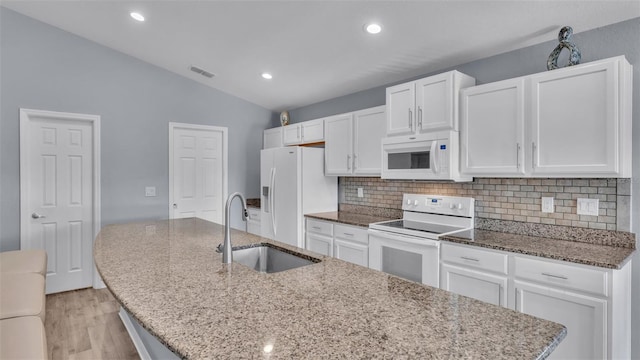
x=547, y=204
x=150, y=191
x=360, y=192
x=588, y=207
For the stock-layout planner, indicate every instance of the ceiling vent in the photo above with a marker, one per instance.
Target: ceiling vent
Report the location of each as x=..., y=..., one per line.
x=200, y=71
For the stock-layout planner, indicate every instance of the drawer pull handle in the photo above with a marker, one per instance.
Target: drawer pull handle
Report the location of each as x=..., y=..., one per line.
x=556, y=276
x=470, y=259
x=316, y=227
x=348, y=234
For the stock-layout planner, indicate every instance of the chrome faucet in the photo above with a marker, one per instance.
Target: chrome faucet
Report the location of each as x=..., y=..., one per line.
x=227, y=254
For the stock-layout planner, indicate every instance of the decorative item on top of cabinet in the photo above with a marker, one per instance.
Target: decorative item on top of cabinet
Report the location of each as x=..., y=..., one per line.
x=564, y=37
x=428, y=104
x=570, y=122
x=353, y=142
x=284, y=118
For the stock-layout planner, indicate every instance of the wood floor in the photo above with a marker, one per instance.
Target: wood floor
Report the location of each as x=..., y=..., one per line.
x=84, y=324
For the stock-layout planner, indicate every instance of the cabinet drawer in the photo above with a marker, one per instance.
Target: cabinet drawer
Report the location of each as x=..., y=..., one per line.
x=474, y=257
x=352, y=233
x=254, y=214
x=320, y=227
x=562, y=275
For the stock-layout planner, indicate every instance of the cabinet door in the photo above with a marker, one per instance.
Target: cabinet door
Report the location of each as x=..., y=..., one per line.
x=401, y=100
x=369, y=128
x=312, y=131
x=434, y=103
x=584, y=316
x=291, y=134
x=575, y=121
x=320, y=244
x=351, y=252
x=476, y=284
x=338, y=145
x=272, y=138
x=492, y=129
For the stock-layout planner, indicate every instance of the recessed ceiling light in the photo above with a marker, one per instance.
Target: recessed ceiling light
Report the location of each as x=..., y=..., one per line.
x=372, y=28
x=267, y=76
x=137, y=16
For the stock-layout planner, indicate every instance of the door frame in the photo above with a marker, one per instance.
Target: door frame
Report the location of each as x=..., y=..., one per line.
x=225, y=159
x=94, y=120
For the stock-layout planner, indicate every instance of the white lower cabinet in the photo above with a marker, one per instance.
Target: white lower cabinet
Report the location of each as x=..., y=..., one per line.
x=476, y=273
x=344, y=242
x=253, y=221
x=585, y=318
x=593, y=303
x=473, y=283
x=319, y=237
x=351, y=243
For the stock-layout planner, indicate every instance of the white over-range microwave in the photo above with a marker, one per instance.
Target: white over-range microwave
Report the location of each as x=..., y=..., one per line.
x=430, y=156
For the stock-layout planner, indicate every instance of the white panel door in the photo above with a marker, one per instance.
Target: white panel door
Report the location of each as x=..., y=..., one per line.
x=584, y=316
x=338, y=150
x=574, y=124
x=492, y=129
x=476, y=284
x=401, y=101
x=434, y=100
x=198, y=173
x=369, y=130
x=57, y=194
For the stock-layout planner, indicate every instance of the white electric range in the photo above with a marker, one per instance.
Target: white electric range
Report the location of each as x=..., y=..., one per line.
x=409, y=247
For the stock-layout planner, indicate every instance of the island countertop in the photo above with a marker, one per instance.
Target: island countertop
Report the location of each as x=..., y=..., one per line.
x=167, y=275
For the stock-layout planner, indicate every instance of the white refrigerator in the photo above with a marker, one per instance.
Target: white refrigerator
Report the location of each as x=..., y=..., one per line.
x=292, y=184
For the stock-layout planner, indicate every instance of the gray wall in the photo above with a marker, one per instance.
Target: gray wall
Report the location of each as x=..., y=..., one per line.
x=43, y=67
x=617, y=39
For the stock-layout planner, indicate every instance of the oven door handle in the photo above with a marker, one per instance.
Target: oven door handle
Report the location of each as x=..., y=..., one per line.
x=434, y=158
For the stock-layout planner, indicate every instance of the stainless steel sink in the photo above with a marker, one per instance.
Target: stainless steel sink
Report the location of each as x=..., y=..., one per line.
x=268, y=258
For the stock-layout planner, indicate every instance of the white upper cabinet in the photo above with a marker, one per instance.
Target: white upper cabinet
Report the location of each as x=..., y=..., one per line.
x=492, y=129
x=570, y=122
x=306, y=132
x=576, y=118
x=353, y=142
x=428, y=104
x=338, y=146
x=272, y=138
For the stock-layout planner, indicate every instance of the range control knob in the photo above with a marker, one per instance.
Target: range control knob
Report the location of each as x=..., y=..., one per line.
x=408, y=201
x=459, y=206
x=415, y=202
x=452, y=206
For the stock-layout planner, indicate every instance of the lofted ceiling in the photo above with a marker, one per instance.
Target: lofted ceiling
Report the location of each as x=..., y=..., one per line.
x=318, y=50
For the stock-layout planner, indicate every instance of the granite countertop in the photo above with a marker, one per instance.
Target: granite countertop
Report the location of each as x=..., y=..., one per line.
x=167, y=275
x=349, y=218
x=610, y=257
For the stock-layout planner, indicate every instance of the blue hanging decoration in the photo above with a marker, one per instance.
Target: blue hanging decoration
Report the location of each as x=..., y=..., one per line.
x=565, y=43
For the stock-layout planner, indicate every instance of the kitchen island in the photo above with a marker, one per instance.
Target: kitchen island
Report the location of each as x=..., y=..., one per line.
x=167, y=275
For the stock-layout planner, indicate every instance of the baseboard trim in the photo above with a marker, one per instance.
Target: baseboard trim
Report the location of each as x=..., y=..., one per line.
x=133, y=334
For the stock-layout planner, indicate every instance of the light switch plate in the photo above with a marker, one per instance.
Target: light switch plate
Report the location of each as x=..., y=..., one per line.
x=588, y=207
x=360, y=192
x=150, y=191
x=547, y=204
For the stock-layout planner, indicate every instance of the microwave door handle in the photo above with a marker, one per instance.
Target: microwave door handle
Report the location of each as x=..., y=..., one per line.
x=433, y=157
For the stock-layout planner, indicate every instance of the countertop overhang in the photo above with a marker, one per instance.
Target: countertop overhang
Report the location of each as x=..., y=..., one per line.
x=167, y=275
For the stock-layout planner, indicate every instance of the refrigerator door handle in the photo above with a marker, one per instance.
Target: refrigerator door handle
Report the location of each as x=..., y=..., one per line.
x=273, y=200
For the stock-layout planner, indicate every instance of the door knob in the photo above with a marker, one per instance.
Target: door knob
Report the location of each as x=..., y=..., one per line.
x=35, y=215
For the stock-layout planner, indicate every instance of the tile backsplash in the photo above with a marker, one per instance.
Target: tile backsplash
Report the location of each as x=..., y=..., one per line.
x=516, y=199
